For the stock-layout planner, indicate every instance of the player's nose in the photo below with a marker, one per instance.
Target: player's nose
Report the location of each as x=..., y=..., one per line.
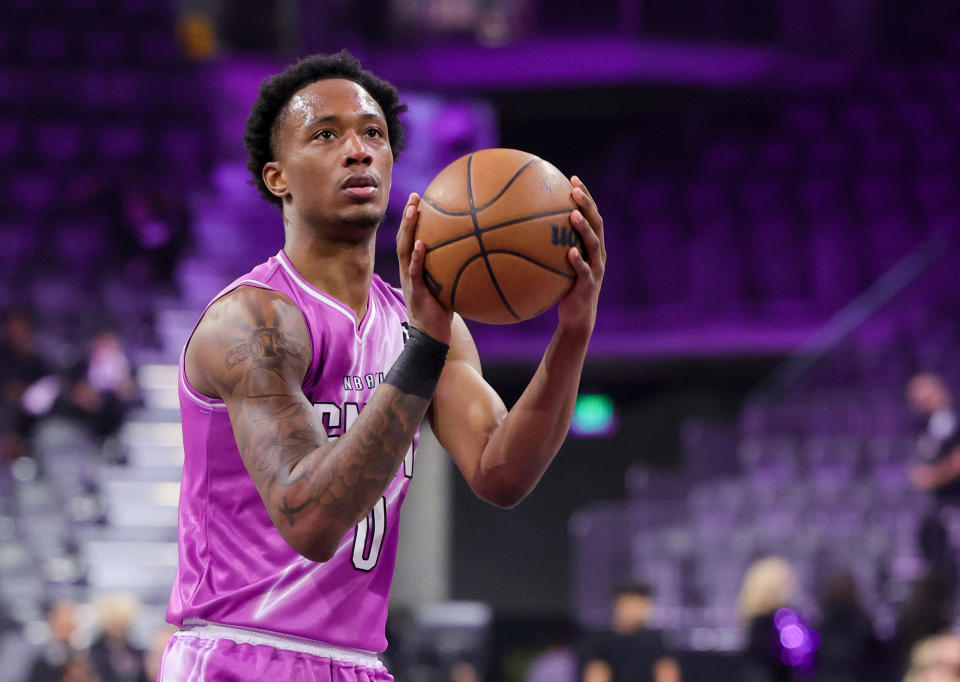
x=355, y=151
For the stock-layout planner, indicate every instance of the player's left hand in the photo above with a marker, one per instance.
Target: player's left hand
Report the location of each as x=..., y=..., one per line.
x=578, y=309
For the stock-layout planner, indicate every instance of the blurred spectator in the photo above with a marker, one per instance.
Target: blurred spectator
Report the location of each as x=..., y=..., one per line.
x=766, y=598
x=14, y=649
x=926, y=613
x=114, y=658
x=557, y=662
x=632, y=650
x=22, y=366
x=154, y=653
x=849, y=648
x=90, y=404
x=51, y=664
x=79, y=669
x=935, y=659
x=99, y=389
x=156, y=224
x=464, y=671
x=938, y=470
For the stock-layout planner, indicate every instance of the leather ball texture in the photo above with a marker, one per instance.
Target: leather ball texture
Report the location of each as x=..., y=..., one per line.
x=496, y=226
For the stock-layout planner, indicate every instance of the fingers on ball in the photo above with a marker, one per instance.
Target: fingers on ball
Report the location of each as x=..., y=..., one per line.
x=580, y=266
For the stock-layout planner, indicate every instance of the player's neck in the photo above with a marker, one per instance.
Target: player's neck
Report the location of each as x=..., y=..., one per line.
x=342, y=269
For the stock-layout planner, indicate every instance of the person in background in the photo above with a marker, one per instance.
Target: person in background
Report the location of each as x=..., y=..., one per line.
x=849, y=648
x=557, y=662
x=51, y=664
x=632, y=650
x=114, y=658
x=937, y=471
x=15, y=652
x=22, y=366
x=769, y=586
x=464, y=671
x=98, y=389
x=928, y=612
x=79, y=669
x=935, y=659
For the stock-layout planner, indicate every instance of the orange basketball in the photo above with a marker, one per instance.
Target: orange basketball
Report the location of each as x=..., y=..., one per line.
x=496, y=224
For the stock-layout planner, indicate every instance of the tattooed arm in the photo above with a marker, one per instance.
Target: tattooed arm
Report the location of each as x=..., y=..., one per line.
x=252, y=350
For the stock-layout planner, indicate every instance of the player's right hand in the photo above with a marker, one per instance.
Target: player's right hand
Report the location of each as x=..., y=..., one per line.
x=425, y=311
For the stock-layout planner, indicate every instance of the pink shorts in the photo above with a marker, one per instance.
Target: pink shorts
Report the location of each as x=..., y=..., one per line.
x=218, y=653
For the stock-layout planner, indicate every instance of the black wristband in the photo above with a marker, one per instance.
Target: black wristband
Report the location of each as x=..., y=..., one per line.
x=418, y=368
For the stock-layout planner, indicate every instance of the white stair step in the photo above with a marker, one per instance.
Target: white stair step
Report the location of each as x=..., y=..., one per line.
x=131, y=553
x=152, y=493
x=155, y=415
x=158, y=385
x=153, y=444
x=159, y=456
x=109, y=472
x=138, y=579
x=136, y=566
x=125, y=515
x=87, y=534
x=160, y=434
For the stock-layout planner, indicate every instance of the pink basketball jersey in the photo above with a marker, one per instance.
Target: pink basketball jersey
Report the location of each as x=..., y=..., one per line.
x=234, y=567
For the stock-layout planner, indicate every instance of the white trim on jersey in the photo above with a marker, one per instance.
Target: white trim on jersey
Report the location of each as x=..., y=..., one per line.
x=369, y=318
x=201, y=629
x=199, y=397
x=317, y=294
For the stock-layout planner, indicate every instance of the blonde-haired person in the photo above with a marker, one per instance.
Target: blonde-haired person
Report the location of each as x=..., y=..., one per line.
x=766, y=595
x=935, y=659
x=114, y=657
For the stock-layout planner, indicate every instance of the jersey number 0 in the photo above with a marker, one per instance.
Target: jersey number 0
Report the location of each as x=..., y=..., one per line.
x=366, y=552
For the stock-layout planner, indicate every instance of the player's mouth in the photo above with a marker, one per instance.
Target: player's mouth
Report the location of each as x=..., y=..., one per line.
x=360, y=186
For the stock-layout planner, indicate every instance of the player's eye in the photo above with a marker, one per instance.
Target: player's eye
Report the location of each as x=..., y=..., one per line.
x=325, y=134
x=374, y=132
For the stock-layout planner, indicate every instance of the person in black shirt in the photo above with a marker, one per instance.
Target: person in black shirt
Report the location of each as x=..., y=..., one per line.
x=58, y=654
x=938, y=449
x=113, y=656
x=849, y=649
x=632, y=651
x=22, y=365
x=937, y=471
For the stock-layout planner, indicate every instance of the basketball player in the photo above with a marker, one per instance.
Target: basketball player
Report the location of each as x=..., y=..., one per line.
x=303, y=387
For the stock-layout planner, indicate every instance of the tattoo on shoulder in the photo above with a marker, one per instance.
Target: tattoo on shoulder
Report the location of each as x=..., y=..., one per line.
x=264, y=343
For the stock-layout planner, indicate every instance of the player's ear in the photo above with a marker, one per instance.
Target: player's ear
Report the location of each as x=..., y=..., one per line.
x=274, y=178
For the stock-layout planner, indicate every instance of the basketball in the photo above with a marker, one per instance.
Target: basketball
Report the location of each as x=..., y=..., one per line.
x=496, y=226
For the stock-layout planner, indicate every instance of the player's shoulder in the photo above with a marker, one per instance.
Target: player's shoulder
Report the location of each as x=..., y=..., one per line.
x=245, y=322
x=246, y=311
x=250, y=303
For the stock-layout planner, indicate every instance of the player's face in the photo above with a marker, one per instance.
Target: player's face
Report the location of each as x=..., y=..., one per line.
x=334, y=154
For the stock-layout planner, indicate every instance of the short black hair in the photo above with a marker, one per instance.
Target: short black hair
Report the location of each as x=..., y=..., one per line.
x=634, y=589
x=277, y=90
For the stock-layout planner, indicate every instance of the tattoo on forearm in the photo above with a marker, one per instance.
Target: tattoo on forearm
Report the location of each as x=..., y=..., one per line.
x=266, y=342
x=368, y=458
x=277, y=429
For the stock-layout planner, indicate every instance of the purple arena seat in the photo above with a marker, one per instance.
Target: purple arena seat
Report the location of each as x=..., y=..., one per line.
x=120, y=141
x=60, y=143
